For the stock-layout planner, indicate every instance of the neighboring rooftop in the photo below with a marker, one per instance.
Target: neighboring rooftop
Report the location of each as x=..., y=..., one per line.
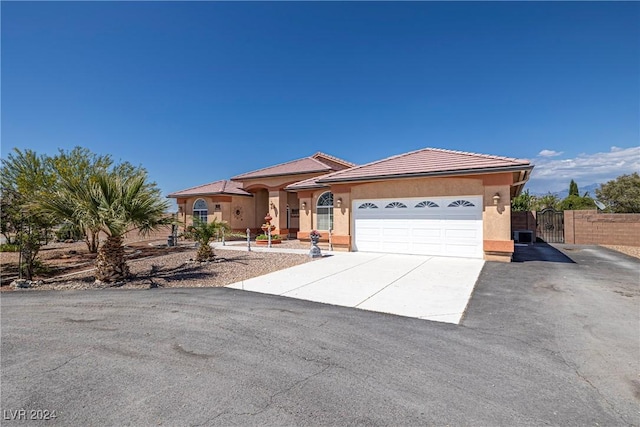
x=319, y=162
x=218, y=187
x=426, y=162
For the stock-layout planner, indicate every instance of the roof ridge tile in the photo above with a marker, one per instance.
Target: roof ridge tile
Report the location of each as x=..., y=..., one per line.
x=257, y=171
x=334, y=158
x=470, y=153
x=374, y=162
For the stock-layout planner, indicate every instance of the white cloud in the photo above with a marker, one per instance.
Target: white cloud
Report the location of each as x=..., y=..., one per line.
x=585, y=169
x=549, y=153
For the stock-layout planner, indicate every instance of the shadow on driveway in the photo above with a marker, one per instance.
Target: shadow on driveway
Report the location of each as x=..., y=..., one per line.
x=540, y=252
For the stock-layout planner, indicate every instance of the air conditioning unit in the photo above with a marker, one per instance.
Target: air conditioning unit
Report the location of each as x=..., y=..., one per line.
x=523, y=236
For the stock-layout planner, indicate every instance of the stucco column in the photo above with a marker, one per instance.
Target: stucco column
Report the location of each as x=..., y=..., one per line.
x=278, y=210
x=306, y=209
x=342, y=220
x=498, y=245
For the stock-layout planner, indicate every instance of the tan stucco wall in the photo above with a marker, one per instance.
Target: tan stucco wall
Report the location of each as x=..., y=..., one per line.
x=418, y=187
x=247, y=216
x=342, y=214
x=278, y=209
x=304, y=198
x=261, y=200
x=228, y=205
x=496, y=218
x=276, y=182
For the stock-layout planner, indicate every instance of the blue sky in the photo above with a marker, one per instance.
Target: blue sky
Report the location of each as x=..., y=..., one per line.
x=201, y=91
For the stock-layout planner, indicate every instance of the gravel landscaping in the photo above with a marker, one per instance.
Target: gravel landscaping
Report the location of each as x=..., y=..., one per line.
x=174, y=267
x=633, y=251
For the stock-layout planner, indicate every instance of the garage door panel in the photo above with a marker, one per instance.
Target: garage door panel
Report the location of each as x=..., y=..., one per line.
x=426, y=233
x=427, y=248
x=396, y=231
x=432, y=226
x=399, y=236
x=460, y=233
x=368, y=246
x=368, y=227
x=397, y=247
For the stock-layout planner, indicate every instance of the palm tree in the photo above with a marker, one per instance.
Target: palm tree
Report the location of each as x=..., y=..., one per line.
x=113, y=205
x=202, y=232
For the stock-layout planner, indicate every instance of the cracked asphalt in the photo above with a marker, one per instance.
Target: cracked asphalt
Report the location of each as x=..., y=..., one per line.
x=551, y=340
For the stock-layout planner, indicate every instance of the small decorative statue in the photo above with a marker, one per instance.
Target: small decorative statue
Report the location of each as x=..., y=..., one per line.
x=268, y=228
x=315, y=250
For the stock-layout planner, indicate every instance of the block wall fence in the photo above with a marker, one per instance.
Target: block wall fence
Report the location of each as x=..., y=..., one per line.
x=593, y=228
x=521, y=221
x=589, y=227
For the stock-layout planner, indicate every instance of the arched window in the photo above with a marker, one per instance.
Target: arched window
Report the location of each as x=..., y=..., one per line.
x=200, y=210
x=324, y=211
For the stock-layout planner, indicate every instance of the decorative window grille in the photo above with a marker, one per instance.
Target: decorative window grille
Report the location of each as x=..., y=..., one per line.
x=461, y=203
x=324, y=211
x=200, y=210
x=427, y=204
x=368, y=205
x=395, y=205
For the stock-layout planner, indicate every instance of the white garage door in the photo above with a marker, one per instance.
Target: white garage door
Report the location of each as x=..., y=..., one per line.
x=445, y=226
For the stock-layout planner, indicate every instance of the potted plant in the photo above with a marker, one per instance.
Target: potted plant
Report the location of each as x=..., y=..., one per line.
x=314, y=236
x=263, y=239
x=315, y=249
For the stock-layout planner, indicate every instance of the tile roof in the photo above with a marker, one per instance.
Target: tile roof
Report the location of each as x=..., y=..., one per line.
x=335, y=162
x=218, y=187
x=307, y=183
x=425, y=162
x=319, y=162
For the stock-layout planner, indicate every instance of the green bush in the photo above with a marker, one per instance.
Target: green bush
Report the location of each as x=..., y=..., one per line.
x=265, y=237
x=9, y=247
x=69, y=231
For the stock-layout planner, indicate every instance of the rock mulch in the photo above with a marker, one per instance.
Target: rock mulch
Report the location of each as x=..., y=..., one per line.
x=633, y=251
x=179, y=270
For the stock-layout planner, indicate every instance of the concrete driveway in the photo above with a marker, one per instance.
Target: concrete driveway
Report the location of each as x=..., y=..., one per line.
x=425, y=287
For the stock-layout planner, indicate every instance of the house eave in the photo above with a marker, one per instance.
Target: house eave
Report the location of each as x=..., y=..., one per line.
x=306, y=187
x=479, y=171
x=176, y=196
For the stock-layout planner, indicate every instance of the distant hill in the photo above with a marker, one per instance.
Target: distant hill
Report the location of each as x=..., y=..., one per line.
x=591, y=188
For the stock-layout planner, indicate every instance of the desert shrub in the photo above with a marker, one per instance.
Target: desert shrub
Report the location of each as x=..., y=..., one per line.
x=235, y=236
x=69, y=231
x=9, y=247
x=265, y=237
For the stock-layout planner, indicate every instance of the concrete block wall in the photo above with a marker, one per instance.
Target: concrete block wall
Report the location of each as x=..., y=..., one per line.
x=523, y=221
x=134, y=236
x=588, y=227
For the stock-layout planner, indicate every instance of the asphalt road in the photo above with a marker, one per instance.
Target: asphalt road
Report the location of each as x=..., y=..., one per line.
x=550, y=342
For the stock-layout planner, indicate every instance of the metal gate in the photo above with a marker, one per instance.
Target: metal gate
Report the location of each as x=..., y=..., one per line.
x=550, y=225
